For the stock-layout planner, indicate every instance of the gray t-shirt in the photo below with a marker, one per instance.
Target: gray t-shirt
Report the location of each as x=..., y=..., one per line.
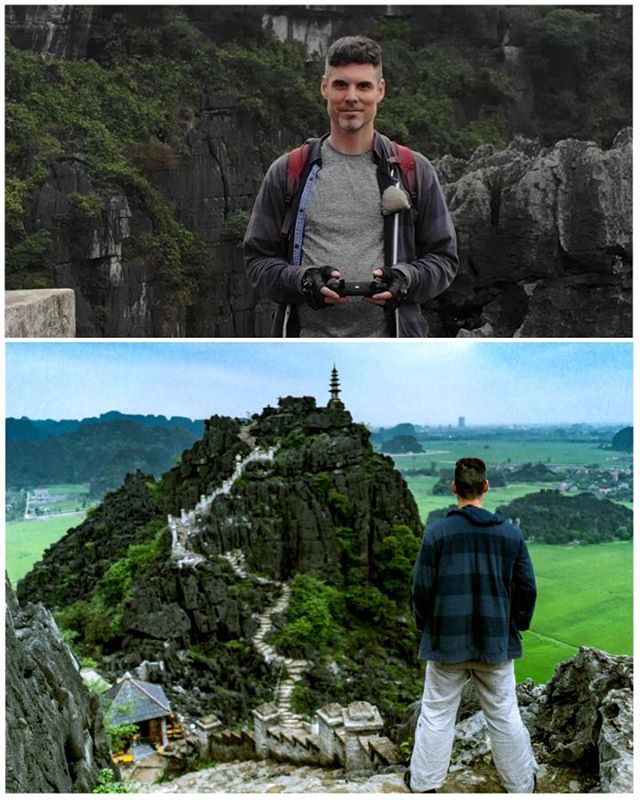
x=344, y=228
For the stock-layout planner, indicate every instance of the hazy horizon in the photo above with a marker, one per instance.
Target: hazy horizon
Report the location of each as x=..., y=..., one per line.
x=426, y=382
x=441, y=426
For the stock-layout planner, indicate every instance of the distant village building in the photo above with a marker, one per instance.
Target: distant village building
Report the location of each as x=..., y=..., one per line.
x=142, y=704
x=35, y=503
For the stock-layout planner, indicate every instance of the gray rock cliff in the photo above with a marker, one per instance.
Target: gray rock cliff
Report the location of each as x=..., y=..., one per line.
x=545, y=240
x=55, y=740
x=545, y=233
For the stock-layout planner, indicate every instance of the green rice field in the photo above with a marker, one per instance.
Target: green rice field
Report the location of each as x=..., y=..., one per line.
x=495, y=451
x=422, y=485
x=69, y=488
x=585, y=597
x=26, y=541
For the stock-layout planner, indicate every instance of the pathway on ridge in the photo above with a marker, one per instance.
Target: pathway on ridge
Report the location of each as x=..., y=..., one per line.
x=188, y=523
x=183, y=529
x=295, y=668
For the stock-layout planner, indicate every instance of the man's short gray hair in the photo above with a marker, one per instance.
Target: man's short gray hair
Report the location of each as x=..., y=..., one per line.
x=354, y=50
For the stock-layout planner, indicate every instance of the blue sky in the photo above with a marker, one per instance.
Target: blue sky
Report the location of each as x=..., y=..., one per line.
x=430, y=382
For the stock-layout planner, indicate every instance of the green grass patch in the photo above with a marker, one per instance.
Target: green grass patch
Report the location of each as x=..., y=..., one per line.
x=421, y=487
x=540, y=658
x=68, y=488
x=495, y=451
x=26, y=541
x=585, y=598
x=71, y=505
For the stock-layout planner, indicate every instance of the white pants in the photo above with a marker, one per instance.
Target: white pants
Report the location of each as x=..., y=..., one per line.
x=510, y=743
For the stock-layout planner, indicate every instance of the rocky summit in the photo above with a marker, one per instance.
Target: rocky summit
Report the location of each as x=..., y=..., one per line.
x=183, y=567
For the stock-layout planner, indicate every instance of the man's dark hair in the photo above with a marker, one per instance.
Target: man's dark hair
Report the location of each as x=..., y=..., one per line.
x=470, y=476
x=354, y=50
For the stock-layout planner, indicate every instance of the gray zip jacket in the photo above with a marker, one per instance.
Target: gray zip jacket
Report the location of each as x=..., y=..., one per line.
x=427, y=254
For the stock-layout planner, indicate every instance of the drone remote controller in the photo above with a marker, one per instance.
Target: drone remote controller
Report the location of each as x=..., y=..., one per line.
x=356, y=288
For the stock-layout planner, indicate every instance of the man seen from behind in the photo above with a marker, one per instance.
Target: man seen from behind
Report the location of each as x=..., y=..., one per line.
x=473, y=592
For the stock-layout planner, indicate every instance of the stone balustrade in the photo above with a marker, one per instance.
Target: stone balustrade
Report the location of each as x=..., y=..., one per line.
x=183, y=527
x=349, y=737
x=40, y=313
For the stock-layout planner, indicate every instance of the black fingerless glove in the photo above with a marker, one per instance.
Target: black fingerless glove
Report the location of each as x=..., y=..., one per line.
x=397, y=284
x=313, y=280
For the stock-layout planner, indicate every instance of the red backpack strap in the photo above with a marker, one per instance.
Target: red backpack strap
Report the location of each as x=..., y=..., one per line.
x=297, y=160
x=404, y=156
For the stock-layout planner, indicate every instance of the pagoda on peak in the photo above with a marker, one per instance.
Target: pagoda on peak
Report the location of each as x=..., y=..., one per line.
x=334, y=391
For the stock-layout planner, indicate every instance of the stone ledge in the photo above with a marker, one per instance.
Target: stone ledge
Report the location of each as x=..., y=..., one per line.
x=34, y=313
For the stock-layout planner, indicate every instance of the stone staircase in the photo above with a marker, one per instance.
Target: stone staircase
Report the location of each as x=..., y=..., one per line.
x=188, y=524
x=293, y=669
x=237, y=561
x=183, y=530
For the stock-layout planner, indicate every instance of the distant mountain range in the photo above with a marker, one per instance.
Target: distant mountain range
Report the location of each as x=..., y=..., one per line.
x=36, y=430
x=98, y=450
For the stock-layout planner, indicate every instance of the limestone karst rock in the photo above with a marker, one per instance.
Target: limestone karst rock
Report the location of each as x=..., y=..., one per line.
x=544, y=240
x=585, y=717
x=544, y=232
x=71, y=568
x=285, y=512
x=55, y=739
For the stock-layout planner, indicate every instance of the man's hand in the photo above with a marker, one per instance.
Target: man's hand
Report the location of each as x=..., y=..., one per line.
x=315, y=290
x=396, y=288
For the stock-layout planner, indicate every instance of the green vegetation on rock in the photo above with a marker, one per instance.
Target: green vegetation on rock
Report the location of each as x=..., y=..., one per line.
x=548, y=516
x=314, y=613
x=122, y=117
x=107, y=784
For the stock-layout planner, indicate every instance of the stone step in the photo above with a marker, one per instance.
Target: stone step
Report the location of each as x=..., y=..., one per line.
x=294, y=663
